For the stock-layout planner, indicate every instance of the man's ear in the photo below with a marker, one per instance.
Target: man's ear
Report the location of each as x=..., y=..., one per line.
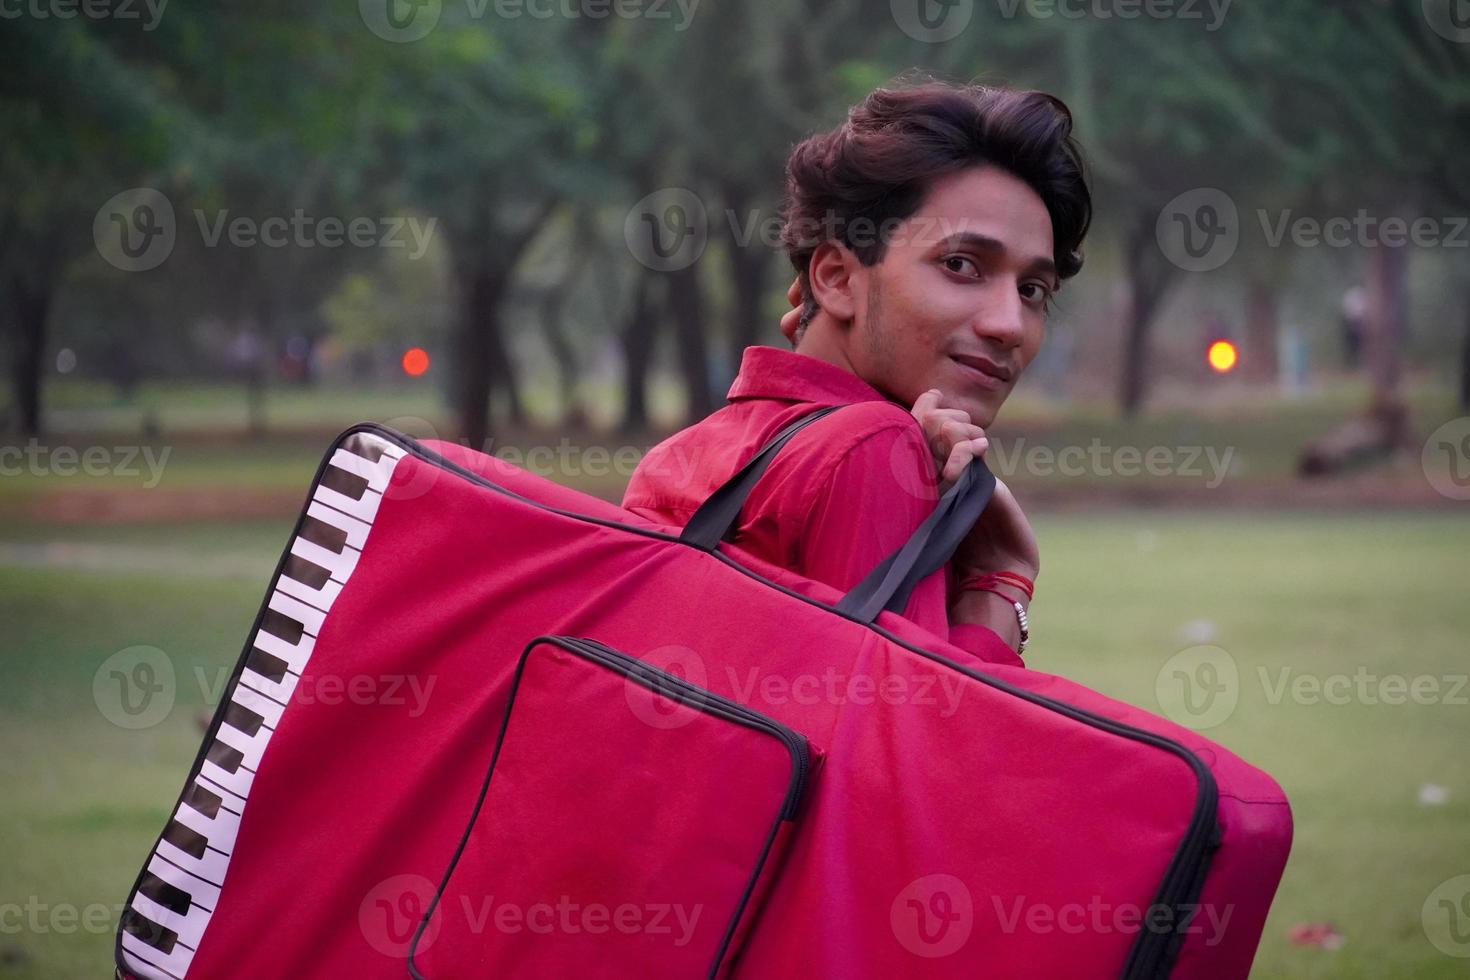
x=835, y=275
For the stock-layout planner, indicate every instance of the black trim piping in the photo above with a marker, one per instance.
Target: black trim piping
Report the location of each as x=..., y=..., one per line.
x=677, y=689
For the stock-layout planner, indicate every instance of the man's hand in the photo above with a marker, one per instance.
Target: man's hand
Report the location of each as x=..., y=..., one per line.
x=791, y=319
x=1002, y=539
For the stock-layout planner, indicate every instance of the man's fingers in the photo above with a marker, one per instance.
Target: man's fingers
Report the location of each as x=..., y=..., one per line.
x=925, y=404
x=793, y=292
x=956, y=431
x=790, y=320
x=959, y=458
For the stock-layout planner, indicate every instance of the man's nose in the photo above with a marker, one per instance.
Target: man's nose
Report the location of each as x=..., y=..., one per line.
x=1002, y=316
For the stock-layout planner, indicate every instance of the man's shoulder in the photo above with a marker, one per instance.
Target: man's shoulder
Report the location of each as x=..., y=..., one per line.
x=864, y=445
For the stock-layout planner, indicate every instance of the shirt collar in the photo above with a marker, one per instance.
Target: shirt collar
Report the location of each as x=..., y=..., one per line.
x=770, y=372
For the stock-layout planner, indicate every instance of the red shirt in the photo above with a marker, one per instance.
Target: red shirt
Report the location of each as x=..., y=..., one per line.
x=829, y=511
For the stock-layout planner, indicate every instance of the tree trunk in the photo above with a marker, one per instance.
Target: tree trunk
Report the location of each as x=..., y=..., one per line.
x=553, y=306
x=481, y=279
x=30, y=306
x=503, y=368
x=473, y=372
x=1465, y=364
x=748, y=265
x=1386, y=287
x=687, y=308
x=748, y=277
x=1147, y=280
x=638, y=335
x=1262, y=324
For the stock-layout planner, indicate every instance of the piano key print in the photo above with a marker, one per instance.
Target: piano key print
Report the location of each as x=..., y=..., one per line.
x=170, y=908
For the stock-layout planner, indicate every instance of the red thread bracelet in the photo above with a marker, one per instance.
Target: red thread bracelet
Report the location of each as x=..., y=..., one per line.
x=983, y=581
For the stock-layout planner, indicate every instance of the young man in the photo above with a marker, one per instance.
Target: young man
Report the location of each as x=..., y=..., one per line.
x=929, y=233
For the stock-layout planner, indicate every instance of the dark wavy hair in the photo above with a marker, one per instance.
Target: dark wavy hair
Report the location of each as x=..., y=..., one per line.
x=876, y=167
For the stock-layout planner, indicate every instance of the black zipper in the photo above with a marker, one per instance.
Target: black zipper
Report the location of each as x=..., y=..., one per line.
x=678, y=689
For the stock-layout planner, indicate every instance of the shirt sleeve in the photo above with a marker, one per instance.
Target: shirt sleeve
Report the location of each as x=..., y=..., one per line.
x=875, y=496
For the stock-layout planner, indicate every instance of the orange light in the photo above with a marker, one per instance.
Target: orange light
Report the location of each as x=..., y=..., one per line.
x=415, y=361
x=1222, y=356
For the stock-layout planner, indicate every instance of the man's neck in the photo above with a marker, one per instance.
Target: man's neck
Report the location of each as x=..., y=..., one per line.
x=819, y=341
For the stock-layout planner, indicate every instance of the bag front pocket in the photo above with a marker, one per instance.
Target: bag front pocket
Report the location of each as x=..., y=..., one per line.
x=626, y=820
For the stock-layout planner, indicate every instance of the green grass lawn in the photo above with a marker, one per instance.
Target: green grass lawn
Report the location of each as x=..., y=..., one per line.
x=1121, y=594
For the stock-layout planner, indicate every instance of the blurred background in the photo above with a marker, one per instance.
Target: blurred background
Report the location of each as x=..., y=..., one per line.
x=548, y=228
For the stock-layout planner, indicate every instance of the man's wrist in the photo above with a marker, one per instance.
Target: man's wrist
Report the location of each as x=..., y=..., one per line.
x=993, y=611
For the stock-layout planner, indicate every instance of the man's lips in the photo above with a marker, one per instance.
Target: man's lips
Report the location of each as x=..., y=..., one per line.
x=989, y=373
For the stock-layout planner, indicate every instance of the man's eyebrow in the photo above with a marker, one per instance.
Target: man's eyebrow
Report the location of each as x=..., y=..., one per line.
x=1042, y=264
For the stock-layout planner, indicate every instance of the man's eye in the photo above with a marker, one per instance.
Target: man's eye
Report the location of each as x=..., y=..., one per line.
x=1037, y=294
x=959, y=264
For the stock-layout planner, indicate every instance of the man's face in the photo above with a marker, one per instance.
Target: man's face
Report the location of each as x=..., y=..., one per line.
x=958, y=301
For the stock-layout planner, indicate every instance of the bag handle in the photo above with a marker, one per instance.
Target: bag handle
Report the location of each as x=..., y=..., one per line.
x=889, y=585
x=715, y=519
